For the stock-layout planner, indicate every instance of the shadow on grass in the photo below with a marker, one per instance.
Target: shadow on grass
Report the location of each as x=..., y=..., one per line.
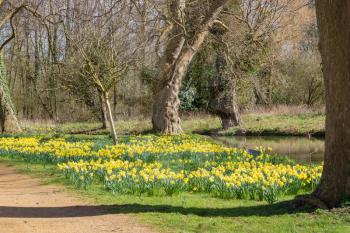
x=208, y=132
x=280, y=208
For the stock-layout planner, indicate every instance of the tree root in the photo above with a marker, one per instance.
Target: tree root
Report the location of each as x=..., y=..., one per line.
x=309, y=202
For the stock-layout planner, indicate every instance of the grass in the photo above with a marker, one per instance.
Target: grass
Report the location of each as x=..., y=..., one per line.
x=200, y=213
x=279, y=125
x=300, y=124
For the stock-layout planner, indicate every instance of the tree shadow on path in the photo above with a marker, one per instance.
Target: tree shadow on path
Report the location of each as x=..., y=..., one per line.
x=280, y=208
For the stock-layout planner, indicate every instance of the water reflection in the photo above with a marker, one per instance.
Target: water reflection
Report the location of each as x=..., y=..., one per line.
x=301, y=149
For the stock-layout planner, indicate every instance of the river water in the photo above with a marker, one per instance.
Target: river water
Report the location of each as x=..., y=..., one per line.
x=301, y=149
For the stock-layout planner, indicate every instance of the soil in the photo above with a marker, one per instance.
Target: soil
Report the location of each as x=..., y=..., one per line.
x=27, y=206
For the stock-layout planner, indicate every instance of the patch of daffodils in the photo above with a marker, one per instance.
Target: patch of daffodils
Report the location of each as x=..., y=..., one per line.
x=169, y=164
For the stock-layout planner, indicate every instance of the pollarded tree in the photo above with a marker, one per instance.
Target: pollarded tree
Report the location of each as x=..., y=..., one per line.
x=223, y=101
x=100, y=55
x=223, y=94
x=190, y=24
x=334, y=29
x=102, y=69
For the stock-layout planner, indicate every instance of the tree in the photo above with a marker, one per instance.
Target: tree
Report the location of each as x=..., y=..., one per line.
x=186, y=37
x=100, y=55
x=334, y=30
x=223, y=101
x=102, y=69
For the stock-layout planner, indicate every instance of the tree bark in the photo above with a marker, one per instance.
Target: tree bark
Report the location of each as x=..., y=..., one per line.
x=177, y=57
x=334, y=30
x=9, y=122
x=104, y=114
x=110, y=117
x=223, y=95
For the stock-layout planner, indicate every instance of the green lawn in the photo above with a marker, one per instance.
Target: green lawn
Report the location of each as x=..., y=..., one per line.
x=280, y=125
x=252, y=125
x=200, y=213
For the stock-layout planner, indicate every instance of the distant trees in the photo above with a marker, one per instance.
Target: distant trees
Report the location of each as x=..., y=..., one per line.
x=298, y=80
x=11, y=14
x=40, y=51
x=8, y=118
x=99, y=55
x=267, y=61
x=54, y=56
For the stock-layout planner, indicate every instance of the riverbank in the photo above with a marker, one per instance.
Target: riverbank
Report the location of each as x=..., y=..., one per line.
x=309, y=125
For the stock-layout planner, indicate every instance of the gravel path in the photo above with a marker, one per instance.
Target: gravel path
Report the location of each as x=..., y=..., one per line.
x=26, y=206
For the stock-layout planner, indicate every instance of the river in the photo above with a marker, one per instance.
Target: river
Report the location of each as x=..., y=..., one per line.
x=301, y=149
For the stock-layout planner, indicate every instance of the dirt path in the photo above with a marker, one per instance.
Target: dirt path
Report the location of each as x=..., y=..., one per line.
x=26, y=206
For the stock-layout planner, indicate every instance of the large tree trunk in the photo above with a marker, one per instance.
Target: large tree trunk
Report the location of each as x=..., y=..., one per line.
x=9, y=122
x=223, y=95
x=177, y=57
x=166, y=103
x=334, y=29
x=223, y=89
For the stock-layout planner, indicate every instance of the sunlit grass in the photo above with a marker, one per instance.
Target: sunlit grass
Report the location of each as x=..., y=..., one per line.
x=252, y=124
x=198, y=212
